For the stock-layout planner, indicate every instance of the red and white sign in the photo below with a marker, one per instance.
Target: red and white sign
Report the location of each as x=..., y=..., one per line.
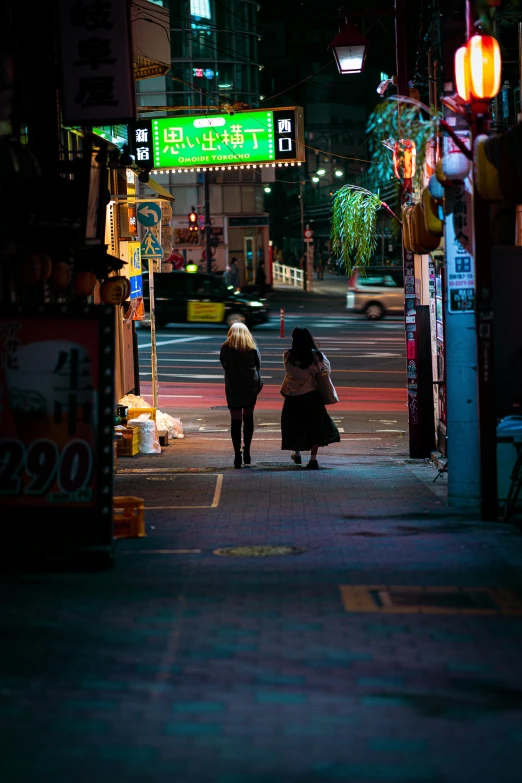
x=308, y=234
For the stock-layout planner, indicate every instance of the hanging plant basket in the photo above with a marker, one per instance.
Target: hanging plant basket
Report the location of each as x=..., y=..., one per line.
x=354, y=225
x=404, y=119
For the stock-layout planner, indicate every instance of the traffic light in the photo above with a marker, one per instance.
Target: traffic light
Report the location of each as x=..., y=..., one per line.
x=193, y=221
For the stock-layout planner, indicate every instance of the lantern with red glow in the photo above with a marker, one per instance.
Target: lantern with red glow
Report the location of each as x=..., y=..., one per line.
x=478, y=68
x=404, y=155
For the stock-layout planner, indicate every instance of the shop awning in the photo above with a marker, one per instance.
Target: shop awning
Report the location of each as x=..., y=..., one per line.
x=159, y=189
x=153, y=185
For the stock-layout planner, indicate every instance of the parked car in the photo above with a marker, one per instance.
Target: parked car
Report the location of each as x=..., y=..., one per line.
x=196, y=297
x=376, y=292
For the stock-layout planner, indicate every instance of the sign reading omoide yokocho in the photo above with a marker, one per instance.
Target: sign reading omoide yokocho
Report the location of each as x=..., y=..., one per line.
x=249, y=138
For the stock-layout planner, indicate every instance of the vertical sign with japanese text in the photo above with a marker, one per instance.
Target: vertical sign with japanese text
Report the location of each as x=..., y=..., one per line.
x=96, y=60
x=135, y=271
x=460, y=262
x=140, y=143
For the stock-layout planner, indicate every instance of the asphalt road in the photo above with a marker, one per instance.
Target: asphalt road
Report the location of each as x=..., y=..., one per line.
x=368, y=364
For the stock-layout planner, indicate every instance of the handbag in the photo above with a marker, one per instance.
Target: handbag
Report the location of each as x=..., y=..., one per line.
x=325, y=386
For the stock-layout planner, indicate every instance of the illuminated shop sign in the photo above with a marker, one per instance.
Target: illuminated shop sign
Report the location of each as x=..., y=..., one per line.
x=201, y=72
x=248, y=138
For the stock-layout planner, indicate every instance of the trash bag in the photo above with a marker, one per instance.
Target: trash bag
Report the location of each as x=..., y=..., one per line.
x=132, y=401
x=173, y=426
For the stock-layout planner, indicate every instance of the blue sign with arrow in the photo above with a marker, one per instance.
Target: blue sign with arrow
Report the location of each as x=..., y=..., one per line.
x=150, y=247
x=149, y=213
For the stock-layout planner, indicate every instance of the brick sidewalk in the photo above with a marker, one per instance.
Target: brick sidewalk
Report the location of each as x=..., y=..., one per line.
x=182, y=666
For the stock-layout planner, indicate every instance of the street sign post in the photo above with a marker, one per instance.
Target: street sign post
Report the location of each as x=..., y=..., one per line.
x=150, y=247
x=149, y=213
x=152, y=250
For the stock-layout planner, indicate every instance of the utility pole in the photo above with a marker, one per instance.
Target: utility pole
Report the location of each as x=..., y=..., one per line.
x=304, y=256
x=419, y=402
x=460, y=340
x=484, y=324
x=208, y=223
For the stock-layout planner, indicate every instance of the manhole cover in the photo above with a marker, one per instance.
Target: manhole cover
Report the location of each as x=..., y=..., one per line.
x=259, y=551
x=275, y=465
x=218, y=408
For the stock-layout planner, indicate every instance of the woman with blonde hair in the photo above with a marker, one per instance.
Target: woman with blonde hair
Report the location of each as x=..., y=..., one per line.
x=241, y=361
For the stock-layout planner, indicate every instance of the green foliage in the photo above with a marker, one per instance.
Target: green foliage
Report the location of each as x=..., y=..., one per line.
x=396, y=120
x=354, y=226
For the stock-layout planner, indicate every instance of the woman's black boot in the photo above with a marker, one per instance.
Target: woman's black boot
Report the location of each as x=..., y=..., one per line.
x=235, y=432
x=248, y=431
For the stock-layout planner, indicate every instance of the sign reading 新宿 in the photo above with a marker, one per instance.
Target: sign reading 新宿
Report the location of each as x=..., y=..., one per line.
x=243, y=138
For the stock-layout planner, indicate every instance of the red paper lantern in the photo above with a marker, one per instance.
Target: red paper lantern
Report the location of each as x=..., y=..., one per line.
x=404, y=155
x=485, y=66
x=478, y=68
x=462, y=73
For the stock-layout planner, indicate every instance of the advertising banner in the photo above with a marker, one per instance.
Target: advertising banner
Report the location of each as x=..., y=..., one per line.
x=135, y=273
x=56, y=412
x=460, y=261
x=253, y=137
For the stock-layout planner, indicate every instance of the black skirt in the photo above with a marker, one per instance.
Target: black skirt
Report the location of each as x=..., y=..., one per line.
x=305, y=422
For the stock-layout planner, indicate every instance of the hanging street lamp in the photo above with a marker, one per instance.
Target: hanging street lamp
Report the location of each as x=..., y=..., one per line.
x=350, y=48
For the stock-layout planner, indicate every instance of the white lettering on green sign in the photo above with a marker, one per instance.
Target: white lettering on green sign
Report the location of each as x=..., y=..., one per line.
x=242, y=137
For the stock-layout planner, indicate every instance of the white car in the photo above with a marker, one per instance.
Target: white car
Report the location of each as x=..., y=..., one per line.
x=376, y=292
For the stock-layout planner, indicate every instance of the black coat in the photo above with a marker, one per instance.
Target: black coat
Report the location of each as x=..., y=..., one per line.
x=239, y=369
x=260, y=276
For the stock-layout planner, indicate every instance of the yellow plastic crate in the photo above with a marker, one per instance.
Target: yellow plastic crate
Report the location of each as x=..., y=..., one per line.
x=128, y=446
x=133, y=413
x=128, y=517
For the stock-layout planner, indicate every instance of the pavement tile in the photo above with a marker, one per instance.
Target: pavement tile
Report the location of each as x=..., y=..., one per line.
x=206, y=669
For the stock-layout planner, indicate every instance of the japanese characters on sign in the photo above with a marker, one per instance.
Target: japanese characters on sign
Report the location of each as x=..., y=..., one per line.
x=96, y=57
x=460, y=263
x=56, y=395
x=243, y=138
x=135, y=272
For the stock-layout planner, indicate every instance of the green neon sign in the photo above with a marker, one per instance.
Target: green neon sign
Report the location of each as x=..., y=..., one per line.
x=218, y=140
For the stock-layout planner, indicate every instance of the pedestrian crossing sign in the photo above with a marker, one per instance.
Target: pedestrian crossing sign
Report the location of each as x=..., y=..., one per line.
x=150, y=247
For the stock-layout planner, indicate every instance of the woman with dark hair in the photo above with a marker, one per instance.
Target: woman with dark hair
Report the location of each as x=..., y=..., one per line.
x=241, y=362
x=305, y=422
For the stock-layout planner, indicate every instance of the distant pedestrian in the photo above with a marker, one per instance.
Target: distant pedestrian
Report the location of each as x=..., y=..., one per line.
x=241, y=361
x=305, y=422
x=261, y=279
x=231, y=276
x=320, y=269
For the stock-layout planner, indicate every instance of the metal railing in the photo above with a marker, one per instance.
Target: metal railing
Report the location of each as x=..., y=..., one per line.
x=288, y=275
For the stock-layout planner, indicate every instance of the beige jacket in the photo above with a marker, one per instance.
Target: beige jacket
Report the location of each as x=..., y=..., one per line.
x=300, y=380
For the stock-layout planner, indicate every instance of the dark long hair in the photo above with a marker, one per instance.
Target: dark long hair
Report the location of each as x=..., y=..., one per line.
x=303, y=347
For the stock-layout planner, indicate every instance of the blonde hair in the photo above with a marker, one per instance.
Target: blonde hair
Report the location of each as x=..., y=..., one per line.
x=239, y=337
